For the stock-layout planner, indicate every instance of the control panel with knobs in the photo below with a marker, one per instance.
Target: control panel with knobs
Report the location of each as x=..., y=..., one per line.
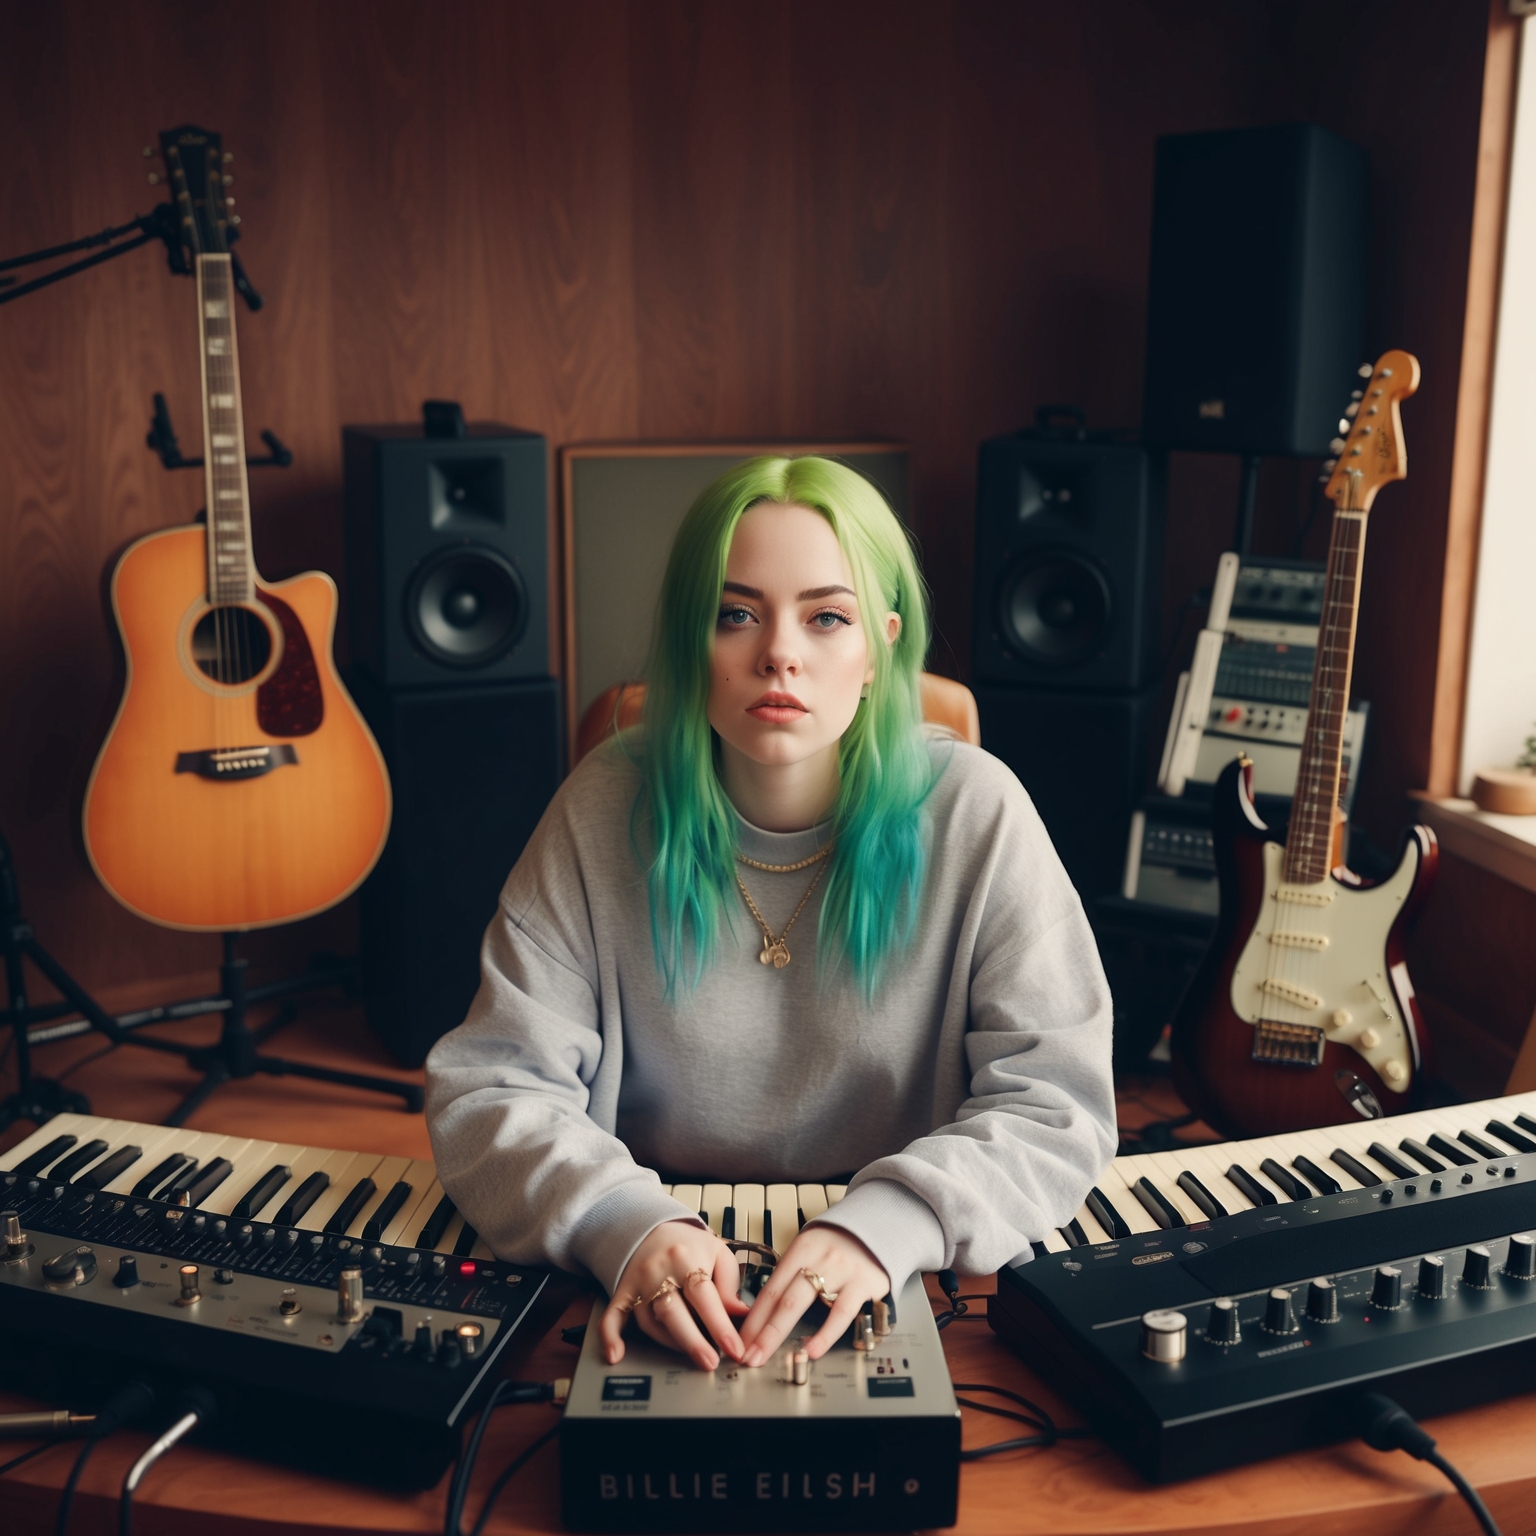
x=1323, y=1301
x=1431, y=1284
x=1224, y=1326
x=1521, y=1261
x=1477, y=1269
x=1164, y=1336
x=1387, y=1288
x=1279, y=1314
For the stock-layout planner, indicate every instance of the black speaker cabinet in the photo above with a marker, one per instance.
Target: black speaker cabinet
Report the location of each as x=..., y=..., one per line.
x=473, y=769
x=1254, y=319
x=1083, y=757
x=447, y=554
x=1069, y=563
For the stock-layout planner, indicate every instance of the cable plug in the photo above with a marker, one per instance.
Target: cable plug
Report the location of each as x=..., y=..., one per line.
x=1388, y=1427
x=123, y=1407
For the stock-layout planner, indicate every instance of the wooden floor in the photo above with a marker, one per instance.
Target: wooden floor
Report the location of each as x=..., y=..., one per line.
x=1072, y=1489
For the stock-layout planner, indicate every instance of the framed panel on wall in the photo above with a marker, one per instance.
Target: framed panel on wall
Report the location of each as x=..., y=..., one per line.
x=620, y=507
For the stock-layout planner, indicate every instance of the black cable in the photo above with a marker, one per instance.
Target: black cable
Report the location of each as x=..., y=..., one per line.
x=196, y=1406
x=67, y=1498
x=509, y=1472
x=37, y=1450
x=1389, y=1427
x=1034, y=1415
x=458, y=1487
x=132, y=1402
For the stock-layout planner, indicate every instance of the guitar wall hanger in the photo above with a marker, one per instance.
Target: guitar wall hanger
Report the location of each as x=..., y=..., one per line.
x=162, y=440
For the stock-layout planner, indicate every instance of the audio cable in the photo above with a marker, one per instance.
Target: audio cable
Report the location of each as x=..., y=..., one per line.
x=1389, y=1427
x=458, y=1488
x=195, y=1406
x=124, y=1407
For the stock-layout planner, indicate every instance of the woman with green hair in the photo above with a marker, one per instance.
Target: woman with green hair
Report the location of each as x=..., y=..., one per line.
x=781, y=932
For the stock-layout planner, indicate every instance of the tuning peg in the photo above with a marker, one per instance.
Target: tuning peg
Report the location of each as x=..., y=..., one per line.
x=228, y=181
x=1329, y=465
x=1336, y=446
x=1365, y=370
x=1356, y=394
x=149, y=151
x=154, y=178
x=1343, y=424
x=229, y=156
x=1351, y=411
x=234, y=218
x=229, y=202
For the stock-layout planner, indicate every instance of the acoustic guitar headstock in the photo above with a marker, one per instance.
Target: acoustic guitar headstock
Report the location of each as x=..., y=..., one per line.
x=197, y=171
x=1371, y=453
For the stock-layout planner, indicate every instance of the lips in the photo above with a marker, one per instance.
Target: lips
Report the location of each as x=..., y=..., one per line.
x=777, y=709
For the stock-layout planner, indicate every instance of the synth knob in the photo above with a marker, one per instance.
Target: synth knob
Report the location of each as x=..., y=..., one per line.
x=1477, y=1268
x=289, y=1304
x=223, y=1277
x=1521, y=1262
x=864, y=1332
x=17, y=1246
x=439, y=1265
x=1279, y=1315
x=191, y=1291
x=243, y=1236
x=882, y=1319
x=449, y=1352
x=471, y=1337
x=75, y=1266
x=1387, y=1288
x=1222, y=1327
x=1163, y=1336
x=1431, y=1284
x=1323, y=1301
x=127, y=1275
x=349, y=1295
x=423, y=1347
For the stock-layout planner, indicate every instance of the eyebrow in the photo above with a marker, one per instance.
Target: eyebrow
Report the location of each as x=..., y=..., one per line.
x=810, y=595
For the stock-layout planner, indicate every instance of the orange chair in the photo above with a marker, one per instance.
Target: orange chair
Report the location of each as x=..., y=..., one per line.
x=946, y=703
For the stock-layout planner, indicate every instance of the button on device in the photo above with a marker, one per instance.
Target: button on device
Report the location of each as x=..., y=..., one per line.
x=75, y=1266
x=223, y=1277
x=467, y=1268
x=1520, y=1263
x=1163, y=1336
x=191, y=1292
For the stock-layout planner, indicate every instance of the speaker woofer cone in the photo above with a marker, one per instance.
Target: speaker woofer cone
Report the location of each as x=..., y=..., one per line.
x=1054, y=608
x=466, y=606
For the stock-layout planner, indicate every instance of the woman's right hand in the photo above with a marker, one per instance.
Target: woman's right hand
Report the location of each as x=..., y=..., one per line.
x=707, y=1278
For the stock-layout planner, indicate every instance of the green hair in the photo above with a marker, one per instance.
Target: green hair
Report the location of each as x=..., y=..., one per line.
x=877, y=863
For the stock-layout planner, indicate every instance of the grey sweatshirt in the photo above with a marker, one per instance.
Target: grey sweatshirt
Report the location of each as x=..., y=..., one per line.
x=972, y=1100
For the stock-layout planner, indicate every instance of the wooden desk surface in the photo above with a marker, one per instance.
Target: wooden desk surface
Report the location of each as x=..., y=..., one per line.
x=1077, y=1487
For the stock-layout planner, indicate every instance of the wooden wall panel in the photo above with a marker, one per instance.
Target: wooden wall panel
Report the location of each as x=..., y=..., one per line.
x=660, y=219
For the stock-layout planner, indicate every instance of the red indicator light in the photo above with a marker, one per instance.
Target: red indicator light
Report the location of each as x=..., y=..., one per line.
x=466, y=1268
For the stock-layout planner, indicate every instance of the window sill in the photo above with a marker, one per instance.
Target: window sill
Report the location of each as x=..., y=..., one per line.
x=1503, y=845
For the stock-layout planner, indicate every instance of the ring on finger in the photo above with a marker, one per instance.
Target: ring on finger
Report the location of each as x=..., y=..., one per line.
x=632, y=1303
x=666, y=1288
x=819, y=1285
x=695, y=1277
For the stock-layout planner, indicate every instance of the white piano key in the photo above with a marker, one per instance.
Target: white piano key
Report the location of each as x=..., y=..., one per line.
x=1146, y=1166
x=233, y=1149
x=1256, y=1151
x=1132, y=1212
x=813, y=1200
x=481, y=1251
x=691, y=1195
x=1320, y=1145
x=344, y=1179
x=716, y=1198
x=197, y=1145
x=426, y=1191
x=116, y=1133
x=749, y=1201
x=78, y=1126
x=449, y=1240
x=253, y=1165
x=1054, y=1242
x=156, y=1145
x=314, y=1160
x=386, y=1176
x=1090, y=1225
x=1209, y=1165
x=835, y=1192
x=784, y=1207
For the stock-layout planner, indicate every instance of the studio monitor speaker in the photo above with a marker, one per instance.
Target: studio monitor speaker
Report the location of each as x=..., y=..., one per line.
x=447, y=554
x=1259, y=248
x=1069, y=561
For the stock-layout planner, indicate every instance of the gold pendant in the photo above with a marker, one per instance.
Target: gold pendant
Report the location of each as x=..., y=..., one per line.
x=775, y=953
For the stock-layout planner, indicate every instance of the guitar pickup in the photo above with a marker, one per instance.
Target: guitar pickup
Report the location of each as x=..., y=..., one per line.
x=1293, y=1045
x=236, y=762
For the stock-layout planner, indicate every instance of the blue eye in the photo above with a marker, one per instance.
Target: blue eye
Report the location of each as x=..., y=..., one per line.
x=736, y=616
x=829, y=618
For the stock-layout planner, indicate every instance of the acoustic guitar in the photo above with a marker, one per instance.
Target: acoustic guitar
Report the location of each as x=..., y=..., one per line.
x=238, y=786
x=1302, y=1013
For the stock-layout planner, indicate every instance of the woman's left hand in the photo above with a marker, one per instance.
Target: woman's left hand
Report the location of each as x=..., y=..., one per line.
x=846, y=1266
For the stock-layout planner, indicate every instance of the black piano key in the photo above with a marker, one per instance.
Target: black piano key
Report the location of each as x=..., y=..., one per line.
x=1106, y=1215
x=1073, y=1234
x=1478, y=1145
x=1526, y=1123
x=1285, y=1179
x=35, y=1162
x=1201, y=1195
x=466, y=1240
x=66, y=1168
x=1323, y=1183
x=728, y=1223
x=292, y=1210
x=346, y=1213
x=768, y=1228
x=1250, y=1186
x=1354, y=1167
x=160, y=1174
x=1421, y=1154
x=437, y=1223
x=1392, y=1162
x=256, y=1197
x=1165, y=1214
x=109, y=1168
x=1450, y=1151
x=204, y=1183
x=1514, y=1138
x=389, y=1208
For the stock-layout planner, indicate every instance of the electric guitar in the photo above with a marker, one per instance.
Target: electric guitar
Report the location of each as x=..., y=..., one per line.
x=238, y=786
x=1302, y=1013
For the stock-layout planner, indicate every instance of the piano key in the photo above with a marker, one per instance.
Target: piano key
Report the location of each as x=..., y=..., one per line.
x=813, y=1200
x=1054, y=1242
x=1210, y=1167
x=207, y=1179
x=691, y=1195
x=160, y=1175
x=1163, y=1174
x=782, y=1217
x=1449, y=1150
x=1324, y=1183
x=387, y=1211
x=72, y=1162
x=1354, y=1167
x=254, y=1162
x=347, y=1173
x=1091, y=1227
x=1481, y=1145
x=1421, y=1154
x=464, y=1243
x=33, y=1153
x=384, y=1177
x=728, y=1223
x=261, y=1192
x=716, y=1198
x=1107, y=1216
x=1157, y=1205
x=154, y=1142
x=289, y=1213
x=110, y=1167
x=750, y=1203
x=1260, y=1194
x=426, y=1191
x=351, y=1203
x=1251, y=1157
x=1319, y=1146
x=448, y=1242
x=1526, y=1123
x=301, y=1163
x=482, y=1250
x=244, y=1154
x=40, y=1157
x=1073, y=1234
x=1287, y=1180
x=835, y=1192
x=1513, y=1137
x=436, y=1225
x=1131, y=1211
x=1194, y=1187
x=1395, y=1164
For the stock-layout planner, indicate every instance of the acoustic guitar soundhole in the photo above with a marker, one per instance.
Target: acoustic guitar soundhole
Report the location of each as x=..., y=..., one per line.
x=231, y=644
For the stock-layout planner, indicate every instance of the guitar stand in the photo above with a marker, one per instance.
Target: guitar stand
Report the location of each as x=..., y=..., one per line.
x=236, y=1054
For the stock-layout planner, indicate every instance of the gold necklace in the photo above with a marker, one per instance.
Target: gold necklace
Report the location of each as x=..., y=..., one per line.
x=775, y=951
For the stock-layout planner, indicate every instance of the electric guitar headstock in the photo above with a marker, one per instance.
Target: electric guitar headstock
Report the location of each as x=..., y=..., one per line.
x=1371, y=453
x=197, y=170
